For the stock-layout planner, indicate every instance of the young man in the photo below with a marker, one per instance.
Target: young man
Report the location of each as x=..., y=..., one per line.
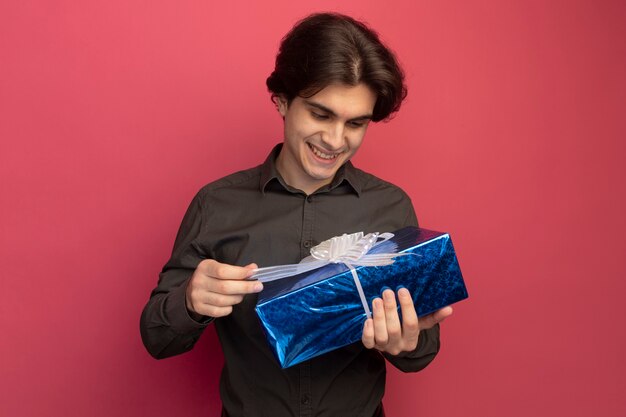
x=332, y=77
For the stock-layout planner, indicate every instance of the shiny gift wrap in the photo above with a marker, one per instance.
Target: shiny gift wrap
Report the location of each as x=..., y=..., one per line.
x=312, y=313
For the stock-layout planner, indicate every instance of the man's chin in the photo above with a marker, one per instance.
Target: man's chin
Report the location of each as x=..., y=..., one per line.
x=323, y=174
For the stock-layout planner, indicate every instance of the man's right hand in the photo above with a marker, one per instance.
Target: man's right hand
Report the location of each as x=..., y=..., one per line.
x=215, y=288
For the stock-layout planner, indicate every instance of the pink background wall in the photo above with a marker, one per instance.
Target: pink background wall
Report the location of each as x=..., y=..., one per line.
x=113, y=114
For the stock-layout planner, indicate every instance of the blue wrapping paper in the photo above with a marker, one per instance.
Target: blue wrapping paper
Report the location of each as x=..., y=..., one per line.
x=309, y=314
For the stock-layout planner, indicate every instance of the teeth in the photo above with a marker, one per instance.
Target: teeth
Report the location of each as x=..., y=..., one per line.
x=321, y=154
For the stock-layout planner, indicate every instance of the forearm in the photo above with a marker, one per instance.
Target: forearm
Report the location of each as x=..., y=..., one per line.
x=167, y=328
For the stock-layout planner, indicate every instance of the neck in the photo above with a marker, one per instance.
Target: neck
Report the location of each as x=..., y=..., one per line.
x=290, y=175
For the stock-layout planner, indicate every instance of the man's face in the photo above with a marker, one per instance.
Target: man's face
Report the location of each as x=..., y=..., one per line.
x=322, y=132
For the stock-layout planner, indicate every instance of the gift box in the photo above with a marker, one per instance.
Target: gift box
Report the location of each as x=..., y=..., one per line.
x=311, y=313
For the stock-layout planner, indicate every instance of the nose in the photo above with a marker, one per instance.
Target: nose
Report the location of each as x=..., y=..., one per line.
x=333, y=138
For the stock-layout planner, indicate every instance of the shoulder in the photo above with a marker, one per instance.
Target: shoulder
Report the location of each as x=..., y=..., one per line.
x=390, y=206
x=372, y=185
x=248, y=179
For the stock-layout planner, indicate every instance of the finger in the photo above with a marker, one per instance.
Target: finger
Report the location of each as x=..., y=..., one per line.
x=442, y=314
x=198, y=300
x=233, y=287
x=212, y=268
x=438, y=316
x=380, y=325
x=410, y=323
x=222, y=278
x=221, y=300
x=392, y=320
x=368, y=334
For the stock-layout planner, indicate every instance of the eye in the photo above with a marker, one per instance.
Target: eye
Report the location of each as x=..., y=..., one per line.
x=357, y=124
x=319, y=116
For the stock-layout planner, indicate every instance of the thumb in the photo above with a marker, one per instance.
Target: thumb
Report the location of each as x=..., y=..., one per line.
x=438, y=316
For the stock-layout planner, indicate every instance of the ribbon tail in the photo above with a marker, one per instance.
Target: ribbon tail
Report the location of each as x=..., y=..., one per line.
x=379, y=259
x=273, y=273
x=359, y=289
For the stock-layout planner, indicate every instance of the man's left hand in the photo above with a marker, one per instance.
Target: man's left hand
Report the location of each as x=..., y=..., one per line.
x=385, y=332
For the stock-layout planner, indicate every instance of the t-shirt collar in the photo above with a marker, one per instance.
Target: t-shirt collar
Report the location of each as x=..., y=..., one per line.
x=346, y=174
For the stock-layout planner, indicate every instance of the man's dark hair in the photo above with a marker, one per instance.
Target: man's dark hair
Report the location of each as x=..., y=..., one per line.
x=327, y=48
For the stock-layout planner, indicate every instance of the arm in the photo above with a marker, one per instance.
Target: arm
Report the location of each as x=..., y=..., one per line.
x=191, y=292
x=167, y=328
x=409, y=345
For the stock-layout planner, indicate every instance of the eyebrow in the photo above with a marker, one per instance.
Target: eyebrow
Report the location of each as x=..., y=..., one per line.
x=332, y=113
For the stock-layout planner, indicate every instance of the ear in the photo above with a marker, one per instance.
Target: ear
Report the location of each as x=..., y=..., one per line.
x=281, y=105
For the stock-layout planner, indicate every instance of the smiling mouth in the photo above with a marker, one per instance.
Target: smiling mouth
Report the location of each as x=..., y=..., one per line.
x=320, y=154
